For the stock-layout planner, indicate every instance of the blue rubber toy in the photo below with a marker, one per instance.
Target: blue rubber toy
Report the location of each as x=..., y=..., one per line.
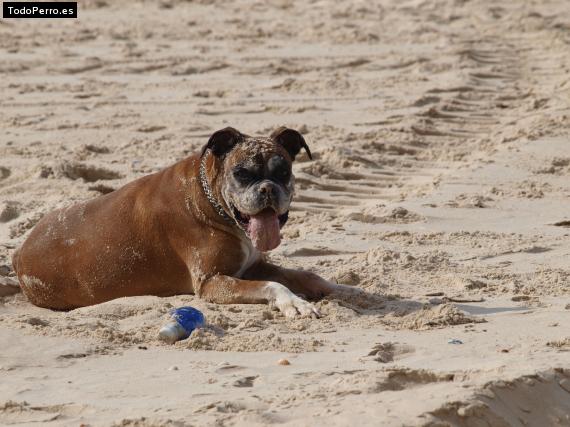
x=184, y=321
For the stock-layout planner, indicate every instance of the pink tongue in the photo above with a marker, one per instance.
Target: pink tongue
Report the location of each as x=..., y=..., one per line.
x=263, y=230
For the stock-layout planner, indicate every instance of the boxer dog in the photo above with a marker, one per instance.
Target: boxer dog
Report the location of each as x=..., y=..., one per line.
x=198, y=227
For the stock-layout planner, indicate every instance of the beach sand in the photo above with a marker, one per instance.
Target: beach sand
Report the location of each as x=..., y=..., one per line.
x=439, y=184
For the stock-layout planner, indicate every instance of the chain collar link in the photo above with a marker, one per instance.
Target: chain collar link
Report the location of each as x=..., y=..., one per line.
x=208, y=192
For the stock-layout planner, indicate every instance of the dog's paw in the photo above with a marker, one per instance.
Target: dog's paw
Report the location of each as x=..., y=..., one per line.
x=290, y=304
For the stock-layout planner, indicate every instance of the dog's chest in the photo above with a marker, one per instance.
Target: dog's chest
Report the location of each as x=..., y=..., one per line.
x=250, y=256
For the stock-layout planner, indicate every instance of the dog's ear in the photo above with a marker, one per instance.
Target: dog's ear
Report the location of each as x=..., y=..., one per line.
x=291, y=140
x=223, y=141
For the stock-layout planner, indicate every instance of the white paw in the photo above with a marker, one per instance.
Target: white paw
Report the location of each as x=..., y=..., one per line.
x=288, y=303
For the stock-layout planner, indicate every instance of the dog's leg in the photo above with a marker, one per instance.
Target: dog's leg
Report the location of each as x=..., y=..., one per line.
x=311, y=285
x=229, y=290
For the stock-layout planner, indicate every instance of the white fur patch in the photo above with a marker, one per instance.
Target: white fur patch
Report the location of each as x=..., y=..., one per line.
x=252, y=255
x=36, y=287
x=32, y=282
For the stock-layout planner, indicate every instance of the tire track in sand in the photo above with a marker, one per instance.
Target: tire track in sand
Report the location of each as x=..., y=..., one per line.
x=450, y=123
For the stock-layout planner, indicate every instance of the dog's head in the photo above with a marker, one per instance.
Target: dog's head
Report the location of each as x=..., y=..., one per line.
x=257, y=182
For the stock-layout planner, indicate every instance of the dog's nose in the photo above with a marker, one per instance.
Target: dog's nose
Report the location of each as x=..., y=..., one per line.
x=267, y=189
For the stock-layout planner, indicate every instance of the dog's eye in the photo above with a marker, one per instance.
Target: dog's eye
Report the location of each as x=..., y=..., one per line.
x=279, y=169
x=283, y=174
x=244, y=175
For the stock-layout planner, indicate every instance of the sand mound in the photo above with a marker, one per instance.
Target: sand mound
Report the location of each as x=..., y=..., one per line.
x=89, y=173
x=431, y=317
x=541, y=399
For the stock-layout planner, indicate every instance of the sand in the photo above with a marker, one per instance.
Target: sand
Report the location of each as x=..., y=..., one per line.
x=439, y=184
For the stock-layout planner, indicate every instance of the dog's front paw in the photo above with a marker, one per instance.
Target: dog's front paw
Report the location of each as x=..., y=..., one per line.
x=290, y=304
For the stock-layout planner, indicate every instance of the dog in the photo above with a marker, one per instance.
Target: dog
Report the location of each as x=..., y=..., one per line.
x=200, y=226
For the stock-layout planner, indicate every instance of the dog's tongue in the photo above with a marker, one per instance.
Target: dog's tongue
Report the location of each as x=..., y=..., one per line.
x=263, y=230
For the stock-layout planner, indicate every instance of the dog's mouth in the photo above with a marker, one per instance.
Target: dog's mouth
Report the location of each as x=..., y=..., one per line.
x=244, y=219
x=262, y=228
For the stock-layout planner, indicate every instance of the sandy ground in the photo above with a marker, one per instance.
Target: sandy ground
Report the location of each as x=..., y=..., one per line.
x=440, y=184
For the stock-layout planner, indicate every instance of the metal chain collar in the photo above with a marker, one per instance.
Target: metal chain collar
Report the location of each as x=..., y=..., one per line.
x=208, y=191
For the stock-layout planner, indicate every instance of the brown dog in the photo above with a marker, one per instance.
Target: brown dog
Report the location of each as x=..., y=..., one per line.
x=197, y=227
